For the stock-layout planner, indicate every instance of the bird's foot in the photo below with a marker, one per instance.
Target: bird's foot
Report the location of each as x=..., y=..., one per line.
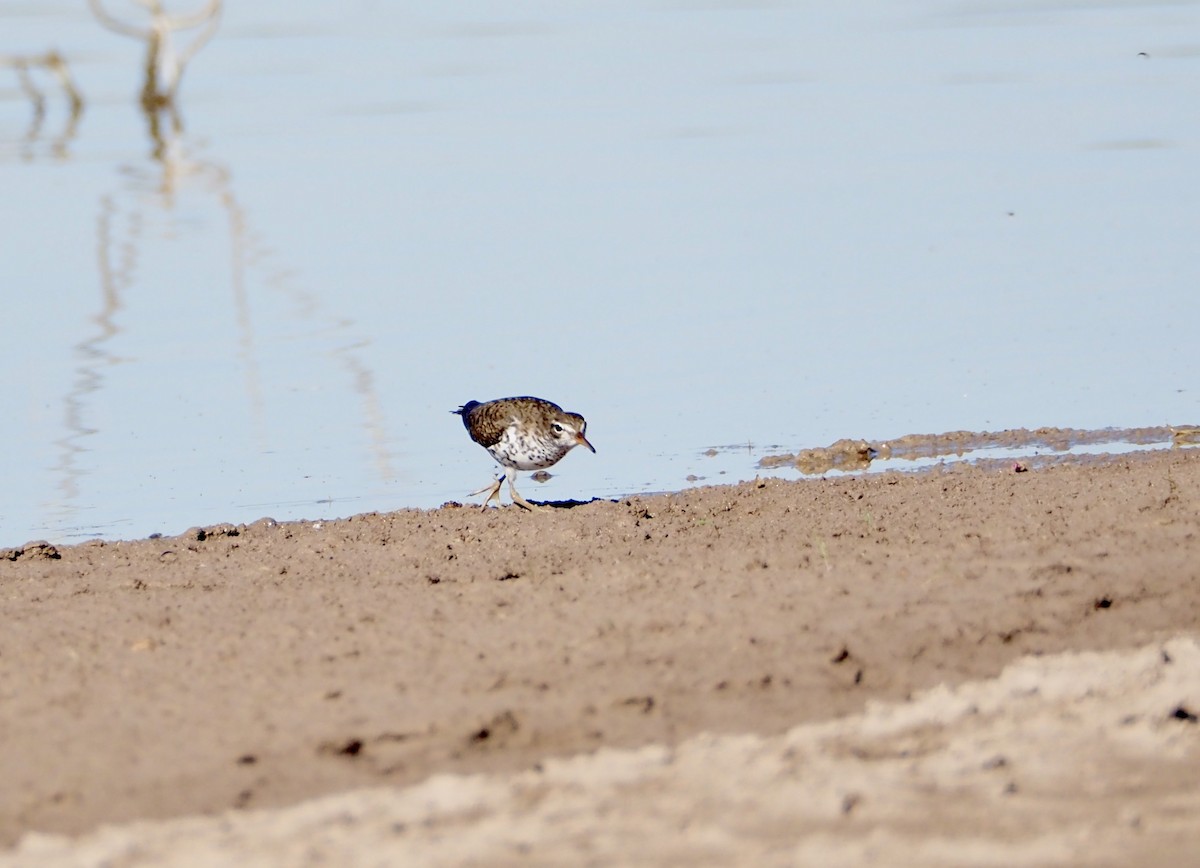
x=520, y=501
x=493, y=491
x=532, y=507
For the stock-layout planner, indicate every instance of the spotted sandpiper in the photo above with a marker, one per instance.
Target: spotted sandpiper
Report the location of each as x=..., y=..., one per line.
x=522, y=434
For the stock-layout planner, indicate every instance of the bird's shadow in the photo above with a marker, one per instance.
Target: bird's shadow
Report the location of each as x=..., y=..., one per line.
x=568, y=504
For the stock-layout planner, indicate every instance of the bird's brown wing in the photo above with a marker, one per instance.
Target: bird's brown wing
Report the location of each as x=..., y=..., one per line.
x=486, y=422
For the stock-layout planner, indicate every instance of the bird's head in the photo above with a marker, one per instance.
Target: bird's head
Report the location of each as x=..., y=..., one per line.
x=568, y=430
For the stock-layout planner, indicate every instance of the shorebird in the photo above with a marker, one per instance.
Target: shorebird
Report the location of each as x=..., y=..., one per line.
x=522, y=434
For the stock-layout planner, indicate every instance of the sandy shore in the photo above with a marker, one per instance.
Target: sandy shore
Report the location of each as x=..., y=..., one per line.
x=768, y=673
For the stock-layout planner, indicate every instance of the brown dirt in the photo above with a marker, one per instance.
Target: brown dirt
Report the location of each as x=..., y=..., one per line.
x=258, y=666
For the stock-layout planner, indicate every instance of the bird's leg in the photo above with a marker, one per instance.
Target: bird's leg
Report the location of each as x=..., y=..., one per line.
x=516, y=498
x=493, y=490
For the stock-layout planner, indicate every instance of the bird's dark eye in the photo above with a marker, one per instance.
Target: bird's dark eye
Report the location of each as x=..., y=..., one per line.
x=558, y=429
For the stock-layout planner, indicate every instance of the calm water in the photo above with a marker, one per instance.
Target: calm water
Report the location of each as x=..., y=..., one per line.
x=697, y=223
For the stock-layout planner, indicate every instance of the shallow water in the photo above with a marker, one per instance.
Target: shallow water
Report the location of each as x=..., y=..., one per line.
x=695, y=223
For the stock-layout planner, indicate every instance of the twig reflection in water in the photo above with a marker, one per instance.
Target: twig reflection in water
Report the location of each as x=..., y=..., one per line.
x=125, y=229
x=164, y=65
x=55, y=65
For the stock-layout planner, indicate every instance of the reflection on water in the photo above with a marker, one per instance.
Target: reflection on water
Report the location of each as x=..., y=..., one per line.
x=121, y=223
x=29, y=69
x=116, y=273
x=362, y=382
x=162, y=71
x=128, y=230
x=165, y=64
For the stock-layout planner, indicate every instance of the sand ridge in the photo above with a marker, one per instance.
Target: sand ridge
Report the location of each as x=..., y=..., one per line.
x=996, y=772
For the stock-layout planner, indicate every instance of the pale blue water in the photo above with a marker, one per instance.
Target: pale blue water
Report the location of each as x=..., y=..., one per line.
x=696, y=223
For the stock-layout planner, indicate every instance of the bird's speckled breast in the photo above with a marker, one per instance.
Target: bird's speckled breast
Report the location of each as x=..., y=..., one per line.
x=520, y=451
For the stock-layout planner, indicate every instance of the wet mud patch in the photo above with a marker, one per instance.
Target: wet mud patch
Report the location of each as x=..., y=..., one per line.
x=1017, y=449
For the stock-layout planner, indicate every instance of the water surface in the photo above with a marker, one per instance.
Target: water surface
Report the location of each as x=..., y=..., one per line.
x=695, y=223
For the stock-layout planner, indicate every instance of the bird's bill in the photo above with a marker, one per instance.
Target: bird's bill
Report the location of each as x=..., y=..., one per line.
x=583, y=441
